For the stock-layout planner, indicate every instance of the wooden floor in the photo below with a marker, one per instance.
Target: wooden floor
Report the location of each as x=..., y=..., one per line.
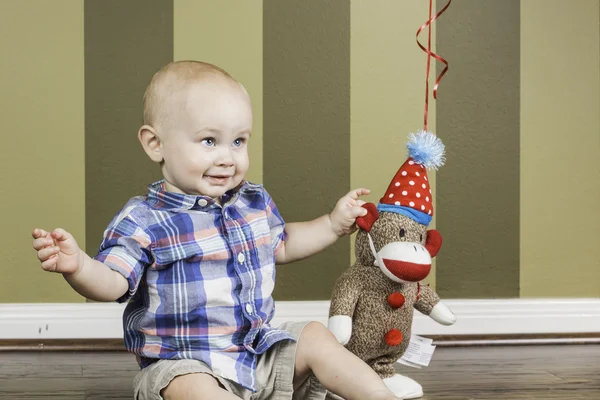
x=568, y=372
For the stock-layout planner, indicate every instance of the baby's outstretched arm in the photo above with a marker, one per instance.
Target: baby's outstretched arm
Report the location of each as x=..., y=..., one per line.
x=308, y=238
x=58, y=252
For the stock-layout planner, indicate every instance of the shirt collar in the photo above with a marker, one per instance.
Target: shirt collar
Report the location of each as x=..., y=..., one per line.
x=170, y=201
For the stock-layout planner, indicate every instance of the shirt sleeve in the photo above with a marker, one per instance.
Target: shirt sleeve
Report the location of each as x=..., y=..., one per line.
x=276, y=223
x=126, y=249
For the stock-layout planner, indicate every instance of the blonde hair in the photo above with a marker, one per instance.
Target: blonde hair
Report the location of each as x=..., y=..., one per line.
x=166, y=85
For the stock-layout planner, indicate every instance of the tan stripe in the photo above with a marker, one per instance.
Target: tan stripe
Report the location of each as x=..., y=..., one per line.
x=388, y=89
x=478, y=118
x=228, y=34
x=560, y=167
x=307, y=127
x=126, y=42
x=42, y=161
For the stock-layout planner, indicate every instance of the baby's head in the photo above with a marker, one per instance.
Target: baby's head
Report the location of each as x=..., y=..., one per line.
x=197, y=123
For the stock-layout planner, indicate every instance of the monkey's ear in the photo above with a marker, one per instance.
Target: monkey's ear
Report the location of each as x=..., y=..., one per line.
x=433, y=243
x=365, y=223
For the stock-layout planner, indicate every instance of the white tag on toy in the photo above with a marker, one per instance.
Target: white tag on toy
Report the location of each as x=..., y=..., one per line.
x=407, y=363
x=419, y=352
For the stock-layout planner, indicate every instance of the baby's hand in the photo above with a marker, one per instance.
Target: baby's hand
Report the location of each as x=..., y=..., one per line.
x=347, y=209
x=58, y=251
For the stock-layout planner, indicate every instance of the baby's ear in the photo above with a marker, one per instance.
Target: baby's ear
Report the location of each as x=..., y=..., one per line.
x=150, y=142
x=365, y=223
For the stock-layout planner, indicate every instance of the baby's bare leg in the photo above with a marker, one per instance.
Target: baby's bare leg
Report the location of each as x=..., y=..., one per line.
x=198, y=386
x=338, y=370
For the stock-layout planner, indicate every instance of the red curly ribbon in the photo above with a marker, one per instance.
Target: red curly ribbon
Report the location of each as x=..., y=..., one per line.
x=429, y=55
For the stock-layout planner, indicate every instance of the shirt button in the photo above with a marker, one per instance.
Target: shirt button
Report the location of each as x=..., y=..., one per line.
x=202, y=202
x=249, y=308
x=241, y=257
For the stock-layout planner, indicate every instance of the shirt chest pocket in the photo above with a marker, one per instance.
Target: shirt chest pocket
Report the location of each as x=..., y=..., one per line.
x=209, y=249
x=263, y=243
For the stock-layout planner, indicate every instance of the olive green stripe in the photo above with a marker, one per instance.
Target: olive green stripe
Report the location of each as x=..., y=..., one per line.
x=41, y=158
x=126, y=42
x=478, y=119
x=306, y=143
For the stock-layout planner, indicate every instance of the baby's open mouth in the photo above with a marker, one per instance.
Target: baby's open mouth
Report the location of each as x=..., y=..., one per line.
x=217, y=178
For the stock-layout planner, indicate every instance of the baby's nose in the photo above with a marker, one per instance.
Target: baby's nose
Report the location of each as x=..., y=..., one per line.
x=225, y=158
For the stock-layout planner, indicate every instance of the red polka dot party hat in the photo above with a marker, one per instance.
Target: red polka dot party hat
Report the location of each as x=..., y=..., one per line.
x=409, y=193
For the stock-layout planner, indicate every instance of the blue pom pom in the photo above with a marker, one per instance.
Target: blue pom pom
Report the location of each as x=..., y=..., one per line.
x=426, y=149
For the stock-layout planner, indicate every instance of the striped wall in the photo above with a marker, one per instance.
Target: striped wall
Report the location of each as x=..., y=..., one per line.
x=42, y=157
x=560, y=148
x=228, y=34
x=125, y=43
x=478, y=117
x=335, y=90
x=307, y=127
x=388, y=91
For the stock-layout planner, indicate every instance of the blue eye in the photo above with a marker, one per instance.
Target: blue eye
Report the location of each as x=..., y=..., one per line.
x=208, y=142
x=238, y=142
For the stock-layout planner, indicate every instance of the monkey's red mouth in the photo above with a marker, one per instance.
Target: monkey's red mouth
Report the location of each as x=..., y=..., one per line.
x=407, y=271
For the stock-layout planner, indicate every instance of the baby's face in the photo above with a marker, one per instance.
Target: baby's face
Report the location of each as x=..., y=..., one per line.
x=205, y=152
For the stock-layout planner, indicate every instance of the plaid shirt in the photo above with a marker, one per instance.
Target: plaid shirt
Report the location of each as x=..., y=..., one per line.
x=200, y=277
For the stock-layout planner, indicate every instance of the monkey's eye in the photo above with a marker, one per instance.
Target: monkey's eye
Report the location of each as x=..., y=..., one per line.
x=402, y=232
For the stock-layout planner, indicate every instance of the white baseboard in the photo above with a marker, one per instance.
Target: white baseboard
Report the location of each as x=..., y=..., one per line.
x=475, y=317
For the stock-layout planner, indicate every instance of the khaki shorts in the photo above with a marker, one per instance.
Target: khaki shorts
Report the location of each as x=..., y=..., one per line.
x=274, y=375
